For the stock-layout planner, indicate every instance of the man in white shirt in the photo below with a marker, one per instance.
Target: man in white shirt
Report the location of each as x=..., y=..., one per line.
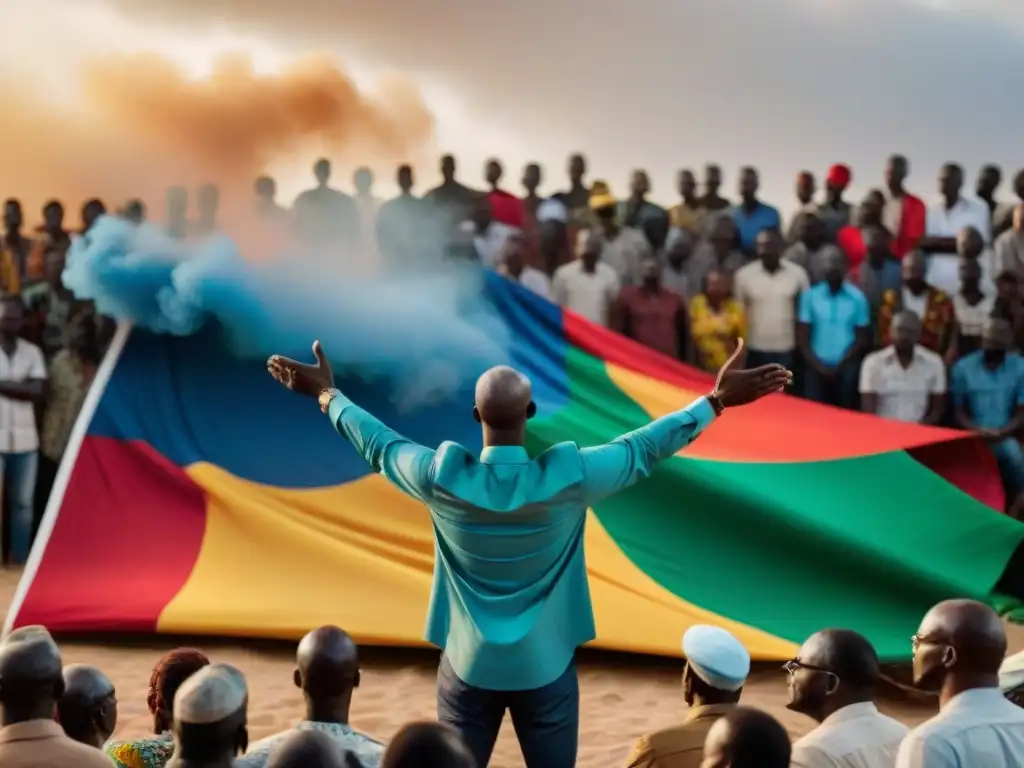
x=514, y=267
x=958, y=650
x=22, y=386
x=833, y=680
x=1009, y=247
x=904, y=381
x=489, y=236
x=944, y=223
x=587, y=286
x=769, y=289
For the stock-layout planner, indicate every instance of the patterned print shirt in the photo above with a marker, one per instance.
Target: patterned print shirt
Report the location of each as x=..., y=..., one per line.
x=348, y=739
x=153, y=752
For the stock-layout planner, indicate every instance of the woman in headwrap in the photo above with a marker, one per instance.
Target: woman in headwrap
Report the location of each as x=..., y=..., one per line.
x=168, y=675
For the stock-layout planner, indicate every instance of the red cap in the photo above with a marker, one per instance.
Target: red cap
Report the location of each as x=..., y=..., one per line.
x=839, y=175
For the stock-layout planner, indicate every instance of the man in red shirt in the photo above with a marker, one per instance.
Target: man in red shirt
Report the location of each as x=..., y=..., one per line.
x=903, y=214
x=652, y=314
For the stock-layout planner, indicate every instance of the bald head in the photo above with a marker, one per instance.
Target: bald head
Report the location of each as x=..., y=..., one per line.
x=306, y=749
x=88, y=708
x=504, y=399
x=427, y=745
x=973, y=629
x=30, y=675
x=327, y=663
x=846, y=654
x=747, y=738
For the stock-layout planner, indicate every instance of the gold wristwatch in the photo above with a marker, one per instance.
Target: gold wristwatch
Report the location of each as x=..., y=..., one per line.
x=325, y=397
x=715, y=402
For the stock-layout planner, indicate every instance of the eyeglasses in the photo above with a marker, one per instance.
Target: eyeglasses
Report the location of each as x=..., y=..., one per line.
x=792, y=666
x=916, y=641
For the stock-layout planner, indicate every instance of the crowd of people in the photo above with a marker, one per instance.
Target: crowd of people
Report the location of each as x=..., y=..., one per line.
x=64, y=716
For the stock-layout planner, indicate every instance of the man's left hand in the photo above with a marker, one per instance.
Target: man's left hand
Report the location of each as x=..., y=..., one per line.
x=303, y=378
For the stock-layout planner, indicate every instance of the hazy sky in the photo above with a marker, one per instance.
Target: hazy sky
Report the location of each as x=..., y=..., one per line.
x=659, y=84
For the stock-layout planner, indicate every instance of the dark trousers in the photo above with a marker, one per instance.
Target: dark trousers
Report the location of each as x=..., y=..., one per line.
x=44, y=484
x=839, y=389
x=546, y=719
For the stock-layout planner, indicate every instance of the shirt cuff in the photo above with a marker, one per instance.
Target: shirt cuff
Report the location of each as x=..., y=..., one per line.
x=701, y=410
x=337, y=407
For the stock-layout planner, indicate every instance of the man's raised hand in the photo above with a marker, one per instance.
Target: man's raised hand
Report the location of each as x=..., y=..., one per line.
x=301, y=377
x=735, y=386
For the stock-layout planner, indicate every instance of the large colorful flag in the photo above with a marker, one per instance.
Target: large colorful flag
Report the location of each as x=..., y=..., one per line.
x=200, y=497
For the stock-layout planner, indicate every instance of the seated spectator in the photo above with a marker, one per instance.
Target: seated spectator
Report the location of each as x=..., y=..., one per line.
x=87, y=710
x=1009, y=247
x=957, y=651
x=717, y=666
x=719, y=251
x=833, y=680
x=636, y=210
x=768, y=289
x=587, y=286
x=310, y=749
x=688, y=215
x=1011, y=678
x=210, y=717
x=168, y=675
x=31, y=683
x=904, y=381
x=553, y=237
x=927, y=302
x=904, y=215
x=880, y=271
x=805, y=189
x=327, y=672
x=972, y=307
x=717, y=322
x=987, y=388
x=678, y=252
x=624, y=247
x=811, y=251
x=945, y=223
x=851, y=238
x=652, y=315
x=427, y=745
x=832, y=334
x=751, y=215
x=514, y=267
x=747, y=738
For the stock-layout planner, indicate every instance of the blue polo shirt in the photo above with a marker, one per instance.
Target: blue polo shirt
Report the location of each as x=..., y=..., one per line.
x=751, y=224
x=990, y=397
x=834, y=319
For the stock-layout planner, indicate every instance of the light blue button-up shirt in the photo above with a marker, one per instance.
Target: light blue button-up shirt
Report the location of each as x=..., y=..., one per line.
x=834, y=319
x=510, y=601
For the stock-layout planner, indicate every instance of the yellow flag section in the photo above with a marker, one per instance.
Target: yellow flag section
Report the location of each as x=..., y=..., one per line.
x=276, y=562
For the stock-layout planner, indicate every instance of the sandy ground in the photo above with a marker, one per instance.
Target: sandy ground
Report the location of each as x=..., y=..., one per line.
x=622, y=696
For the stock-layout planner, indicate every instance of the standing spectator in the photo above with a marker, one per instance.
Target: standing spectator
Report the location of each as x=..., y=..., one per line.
x=751, y=215
x=453, y=201
x=972, y=306
x=833, y=680
x=22, y=388
x=1009, y=305
x=532, y=179
x=553, y=236
x=489, y=235
x=717, y=321
x=832, y=335
x=367, y=206
x=678, y=252
x=324, y=215
x=811, y=252
x=711, y=201
x=688, y=215
x=656, y=230
x=267, y=208
x=1009, y=248
x=71, y=374
x=514, y=267
x=1004, y=215
x=14, y=240
x=747, y=738
x=51, y=237
x=208, y=206
x=904, y=215
x=576, y=199
x=769, y=289
x=851, y=237
x=716, y=668
x=957, y=651
x=879, y=272
x=624, y=247
x=403, y=227
x=51, y=306
x=904, y=381
x=945, y=222
x=587, y=286
x=177, y=212
x=652, y=315
x=718, y=252
x=835, y=212
x=506, y=207
x=987, y=387
x=806, y=187
x=636, y=210
x=989, y=178
x=927, y=302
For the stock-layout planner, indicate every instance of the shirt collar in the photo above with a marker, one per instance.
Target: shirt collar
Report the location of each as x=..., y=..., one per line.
x=851, y=712
x=31, y=730
x=504, y=454
x=974, y=698
x=706, y=711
